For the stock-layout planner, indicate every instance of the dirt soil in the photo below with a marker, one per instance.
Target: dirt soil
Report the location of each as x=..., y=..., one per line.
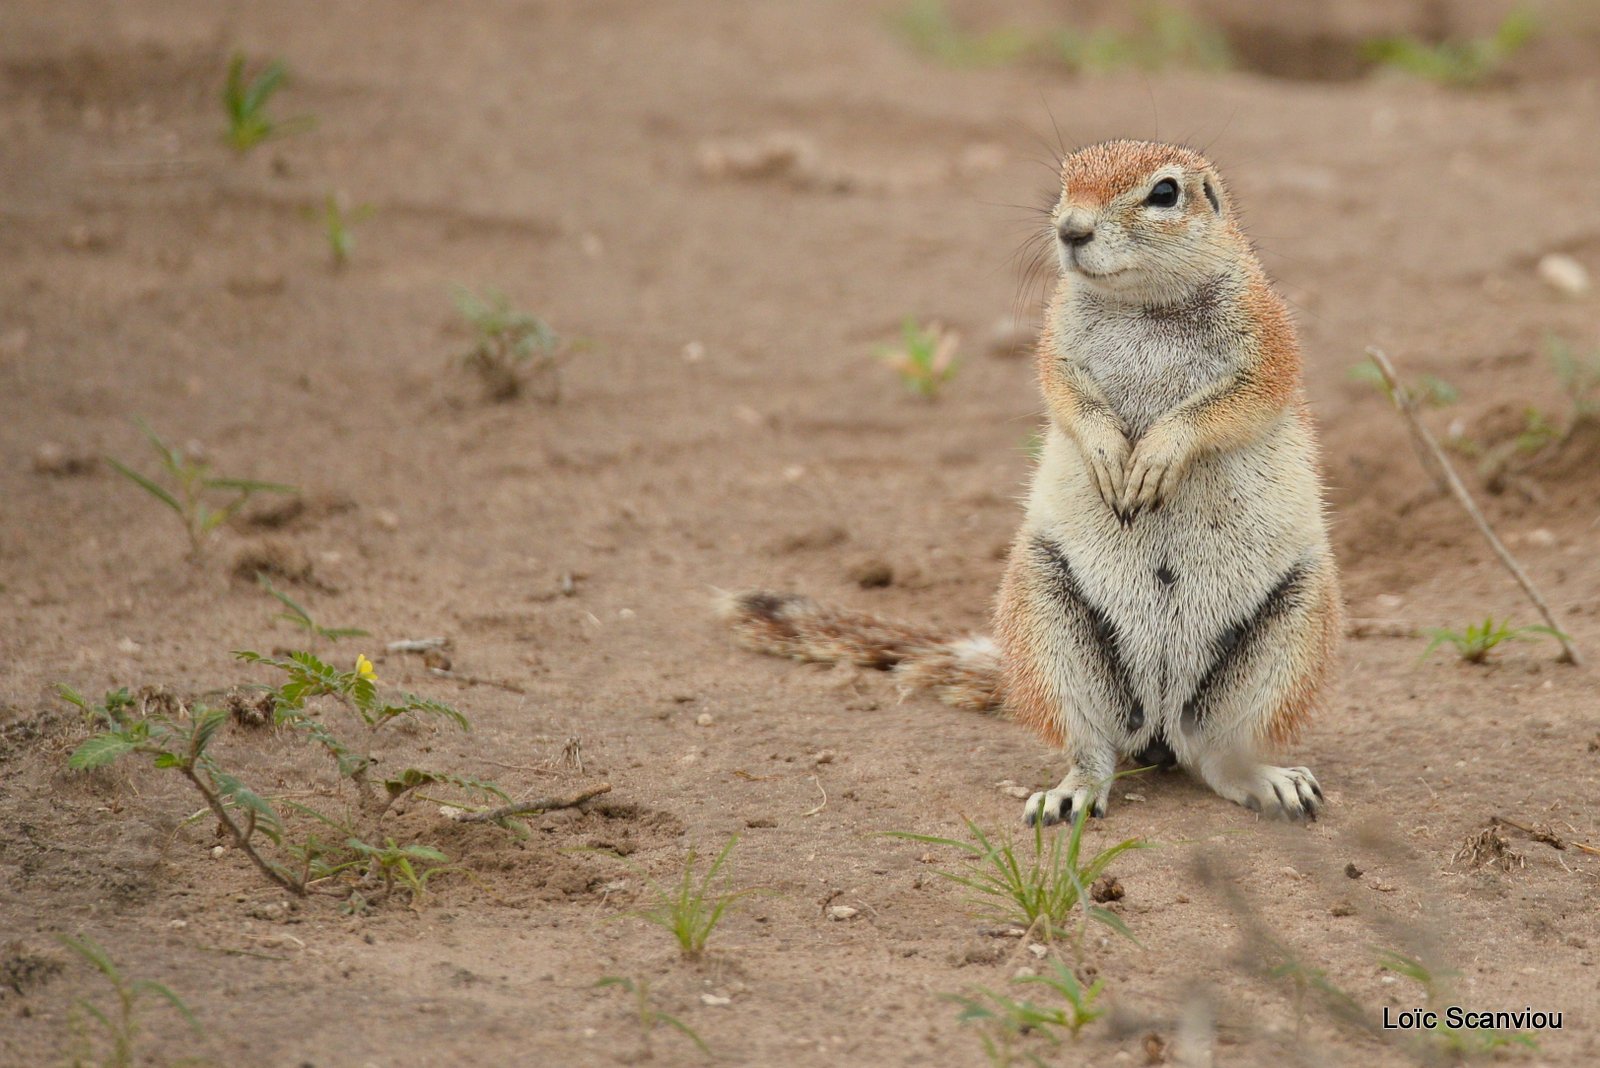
x=726, y=422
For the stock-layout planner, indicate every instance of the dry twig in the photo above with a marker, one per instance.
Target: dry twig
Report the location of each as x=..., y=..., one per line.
x=1549, y=838
x=538, y=804
x=1405, y=406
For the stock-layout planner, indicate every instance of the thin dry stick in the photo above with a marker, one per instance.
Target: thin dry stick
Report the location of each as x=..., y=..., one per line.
x=538, y=804
x=476, y=680
x=1549, y=838
x=1403, y=404
x=823, y=805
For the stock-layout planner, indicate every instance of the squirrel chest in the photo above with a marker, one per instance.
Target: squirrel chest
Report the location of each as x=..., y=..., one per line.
x=1146, y=362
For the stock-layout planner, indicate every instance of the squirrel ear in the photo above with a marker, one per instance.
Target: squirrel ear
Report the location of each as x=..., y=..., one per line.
x=1211, y=195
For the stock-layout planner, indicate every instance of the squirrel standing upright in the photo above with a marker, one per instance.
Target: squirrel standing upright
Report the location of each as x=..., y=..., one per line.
x=1171, y=596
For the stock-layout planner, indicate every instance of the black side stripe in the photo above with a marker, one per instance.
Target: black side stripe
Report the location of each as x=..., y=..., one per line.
x=1067, y=591
x=1232, y=648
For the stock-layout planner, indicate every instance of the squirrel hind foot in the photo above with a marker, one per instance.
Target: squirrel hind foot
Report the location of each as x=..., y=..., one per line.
x=1281, y=793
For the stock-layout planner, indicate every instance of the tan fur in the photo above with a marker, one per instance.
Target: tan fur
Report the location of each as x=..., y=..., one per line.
x=1171, y=592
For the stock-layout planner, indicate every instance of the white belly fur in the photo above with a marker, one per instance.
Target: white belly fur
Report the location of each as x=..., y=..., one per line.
x=1236, y=522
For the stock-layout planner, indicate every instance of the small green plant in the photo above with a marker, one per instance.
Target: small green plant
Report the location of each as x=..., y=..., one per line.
x=927, y=26
x=1458, y=62
x=1478, y=640
x=195, y=489
x=1003, y=1021
x=301, y=618
x=409, y=866
x=336, y=227
x=120, y=1025
x=1457, y=1042
x=1039, y=889
x=925, y=359
x=691, y=907
x=512, y=350
x=1543, y=435
x=1430, y=390
x=648, y=1015
x=1167, y=36
x=107, y=714
x=1579, y=375
x=180, y=738
x=245, y=103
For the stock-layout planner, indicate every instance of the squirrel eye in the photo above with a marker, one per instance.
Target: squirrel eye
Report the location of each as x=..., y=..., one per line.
x=1163, y=195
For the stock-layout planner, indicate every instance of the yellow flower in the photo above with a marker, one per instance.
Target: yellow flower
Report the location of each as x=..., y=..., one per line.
x=364, y=668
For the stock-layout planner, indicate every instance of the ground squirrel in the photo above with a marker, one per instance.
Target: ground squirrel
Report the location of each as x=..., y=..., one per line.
x=1171, y=596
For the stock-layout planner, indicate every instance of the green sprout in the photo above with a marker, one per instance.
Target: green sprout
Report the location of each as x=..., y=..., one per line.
x=1167, y=36
x=301, y=618
x=1478, y=640
x=409, y=866
x=1458, y=1042
x=1579, y=375
x=336, y=227
x=1038, y=889
x=1455, y=62
x=927, y=26
x=648, y=1015
x=1430, y=390
x=193, y=483
x=512, y=349
x=246, y=104
x=120, y=1025
x=691, y=907
x=925, y=359
x=1005, y=1020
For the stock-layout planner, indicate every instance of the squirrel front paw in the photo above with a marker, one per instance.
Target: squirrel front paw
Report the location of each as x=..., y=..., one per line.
x=1106, y=455
x=1156, y=464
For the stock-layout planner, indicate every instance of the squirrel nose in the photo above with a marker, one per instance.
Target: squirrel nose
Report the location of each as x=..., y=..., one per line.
x=1075, y=233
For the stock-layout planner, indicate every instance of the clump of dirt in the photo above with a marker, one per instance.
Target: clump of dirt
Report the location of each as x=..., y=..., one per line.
x=300, y=510
x=276, y=559
x=22, y=970
x=250, y=709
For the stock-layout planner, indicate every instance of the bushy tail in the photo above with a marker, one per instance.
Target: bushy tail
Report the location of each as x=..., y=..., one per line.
x=964, y=672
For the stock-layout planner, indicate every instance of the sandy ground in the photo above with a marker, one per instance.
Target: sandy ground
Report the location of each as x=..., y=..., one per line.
x=726, y=423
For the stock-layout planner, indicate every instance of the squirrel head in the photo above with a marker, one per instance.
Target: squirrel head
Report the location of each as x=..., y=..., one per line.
x=1144, y=223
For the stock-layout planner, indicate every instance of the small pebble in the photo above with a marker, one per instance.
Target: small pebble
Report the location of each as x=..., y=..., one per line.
x=1564, y=274
x=1038, y=949
x=824, y=756
x=715, y=999
x=704, y=719
x=841, y=912
x=872, y=574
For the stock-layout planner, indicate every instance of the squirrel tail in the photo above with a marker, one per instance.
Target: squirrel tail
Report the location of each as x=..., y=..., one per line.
x=964, y=672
